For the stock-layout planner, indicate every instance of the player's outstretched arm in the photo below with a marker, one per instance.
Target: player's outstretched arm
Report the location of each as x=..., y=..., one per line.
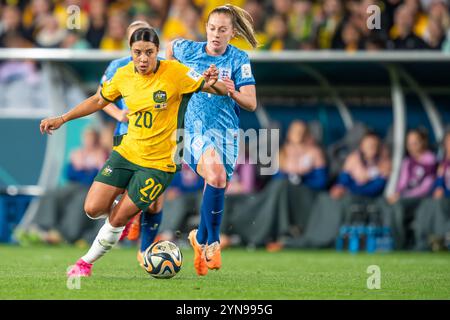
x=245, y=97
x=88, y=106
x=211, y=84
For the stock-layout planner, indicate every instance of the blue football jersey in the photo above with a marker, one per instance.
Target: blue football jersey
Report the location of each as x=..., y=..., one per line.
x=215, y=112
x=121, y=127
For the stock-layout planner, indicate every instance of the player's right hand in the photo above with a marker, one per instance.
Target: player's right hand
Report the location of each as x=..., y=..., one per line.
x=123, y=116
x=49, y=124
x=211, y=75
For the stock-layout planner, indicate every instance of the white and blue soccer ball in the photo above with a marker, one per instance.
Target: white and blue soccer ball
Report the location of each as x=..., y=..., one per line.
x=163, y=259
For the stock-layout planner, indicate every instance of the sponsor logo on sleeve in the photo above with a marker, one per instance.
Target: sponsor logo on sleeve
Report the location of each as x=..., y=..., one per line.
x=246, y=70
x=194, y=74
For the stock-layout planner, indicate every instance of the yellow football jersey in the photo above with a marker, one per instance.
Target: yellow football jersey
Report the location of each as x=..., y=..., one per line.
x=157, y=103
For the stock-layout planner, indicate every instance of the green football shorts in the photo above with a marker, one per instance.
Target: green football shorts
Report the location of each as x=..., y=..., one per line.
x=118, y=139
x=144, y=185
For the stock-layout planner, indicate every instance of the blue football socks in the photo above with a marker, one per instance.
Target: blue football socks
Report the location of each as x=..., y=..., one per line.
x=211, y=213
x=149, y=228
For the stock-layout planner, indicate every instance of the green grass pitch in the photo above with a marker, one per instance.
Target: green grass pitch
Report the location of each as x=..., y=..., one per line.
x=39, y=273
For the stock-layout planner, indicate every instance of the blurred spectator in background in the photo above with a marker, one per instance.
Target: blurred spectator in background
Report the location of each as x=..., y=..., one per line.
x=365, y=171
x=97, y=23
x=10, y=24
x=362, y=12
x=34, y=14
x=438, y=11
x=282, y=7
x=68, y=12
x=301, y=160
x=155, y=20
x=352, y=199
x=74, y=40
x=59, y=217
x=283, y=206
x=389, y=10
x=416, y=180
x=115, y=32
x=48, y=32
x=209, y=5
x=302, y=23
x=434, y=35
x=182, y=22
x=351, y=38
x=420, y=19
x=193, y=29
x=119, y=6
x=418, y=168
x=329, y=30
x=256, y=10
x=279, y=37
x=159, y=10
x=432, y=219
x=402, y=36
x=182, y=200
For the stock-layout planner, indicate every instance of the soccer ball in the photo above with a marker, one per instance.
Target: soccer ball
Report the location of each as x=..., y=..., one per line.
x=163, y=259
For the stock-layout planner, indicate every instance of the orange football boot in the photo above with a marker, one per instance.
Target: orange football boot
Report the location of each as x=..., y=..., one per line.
x=213, y=256
x=135, y=228
x=199, y=254
x=140, y=258
x=274, y=246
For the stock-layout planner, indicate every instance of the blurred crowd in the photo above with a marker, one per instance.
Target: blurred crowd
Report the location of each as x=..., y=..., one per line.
x=279, y=24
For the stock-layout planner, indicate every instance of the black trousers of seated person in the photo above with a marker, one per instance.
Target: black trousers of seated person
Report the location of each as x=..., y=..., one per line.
x=62, y=209
x=403, y=214
x=280, y=209
x=431, y=222
x=231, y=211
x=178, y=210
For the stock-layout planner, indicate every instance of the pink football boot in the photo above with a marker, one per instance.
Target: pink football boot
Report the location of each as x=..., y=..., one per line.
x=81, y=269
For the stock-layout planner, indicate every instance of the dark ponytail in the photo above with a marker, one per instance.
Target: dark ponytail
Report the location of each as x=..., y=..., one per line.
x=144, y=34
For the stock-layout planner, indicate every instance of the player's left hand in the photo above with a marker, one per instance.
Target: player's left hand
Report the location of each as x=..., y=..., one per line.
x=230, y=86
x=211, y=75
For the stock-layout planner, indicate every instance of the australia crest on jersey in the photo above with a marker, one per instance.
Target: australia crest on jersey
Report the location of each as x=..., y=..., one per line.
x=160, y=97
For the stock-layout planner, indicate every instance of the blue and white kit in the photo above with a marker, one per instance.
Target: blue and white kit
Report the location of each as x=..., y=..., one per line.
x=212, y=120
